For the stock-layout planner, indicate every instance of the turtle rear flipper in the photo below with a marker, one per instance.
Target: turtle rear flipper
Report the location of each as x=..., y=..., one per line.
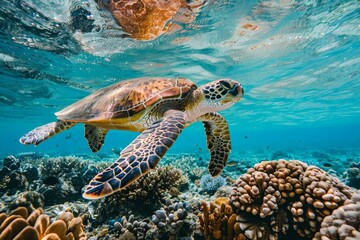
x=139, y=157
x=40, y=134
x=95, y=137
x=217, y=140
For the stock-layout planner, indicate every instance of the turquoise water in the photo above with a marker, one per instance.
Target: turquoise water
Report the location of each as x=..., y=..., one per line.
x=298, y=62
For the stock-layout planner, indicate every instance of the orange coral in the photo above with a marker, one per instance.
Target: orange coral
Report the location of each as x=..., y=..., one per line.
x=217, y=222
x=18, y=225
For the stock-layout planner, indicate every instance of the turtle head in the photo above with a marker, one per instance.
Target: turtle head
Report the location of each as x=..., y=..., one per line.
x=222, y=93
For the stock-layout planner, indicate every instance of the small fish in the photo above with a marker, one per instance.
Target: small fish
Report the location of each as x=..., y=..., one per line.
x=232, y=163
x=116, y=151
x=267, y=147
x=246, y=137
x=68, y=136
x=327, y=165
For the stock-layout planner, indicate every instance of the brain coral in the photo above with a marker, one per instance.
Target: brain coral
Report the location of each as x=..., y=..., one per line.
x=277, y=199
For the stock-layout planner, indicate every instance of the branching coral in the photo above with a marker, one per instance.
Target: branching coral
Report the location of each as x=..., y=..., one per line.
x=19, y=225
x=217, y=221
x=278, y=199
x=144, y=195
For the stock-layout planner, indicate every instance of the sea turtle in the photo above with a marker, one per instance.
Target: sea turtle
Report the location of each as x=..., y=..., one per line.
x=159, y=108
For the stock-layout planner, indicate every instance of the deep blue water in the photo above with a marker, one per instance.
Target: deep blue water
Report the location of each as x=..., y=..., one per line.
x=299, y=66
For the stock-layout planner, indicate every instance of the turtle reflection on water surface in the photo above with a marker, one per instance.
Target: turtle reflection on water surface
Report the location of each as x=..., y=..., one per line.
x=148, y=19
x=159, y=108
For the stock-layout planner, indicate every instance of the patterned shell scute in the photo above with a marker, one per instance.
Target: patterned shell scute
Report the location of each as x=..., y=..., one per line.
x=126, y=98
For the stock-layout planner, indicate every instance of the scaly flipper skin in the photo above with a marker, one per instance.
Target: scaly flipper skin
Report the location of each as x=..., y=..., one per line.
x=40, y=134
x=95, y=137
x=218, y=141
x=139, y=157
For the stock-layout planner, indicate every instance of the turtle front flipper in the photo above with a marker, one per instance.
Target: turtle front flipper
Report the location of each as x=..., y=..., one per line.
x=217, y=140
x=139, y=157
x=42, y=133
x=95, y=137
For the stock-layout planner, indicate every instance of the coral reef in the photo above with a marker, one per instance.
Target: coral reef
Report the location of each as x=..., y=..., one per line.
x=131, y=227
x=273, y=200
x=343, y=223
x=60, y=179
x=20, y=225
x=11, y=178
x=56, y=179
x=174, y=221
x=31, y=200
x=277, y=199
x=353, y=175
x=210, y=184
x=217, y=220
x=143, y=196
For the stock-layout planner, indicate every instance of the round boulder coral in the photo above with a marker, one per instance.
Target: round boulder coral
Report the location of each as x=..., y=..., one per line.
x=306, y=193
x=343, y=223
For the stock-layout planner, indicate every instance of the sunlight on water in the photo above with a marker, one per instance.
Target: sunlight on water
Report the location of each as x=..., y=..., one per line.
x=298, y=60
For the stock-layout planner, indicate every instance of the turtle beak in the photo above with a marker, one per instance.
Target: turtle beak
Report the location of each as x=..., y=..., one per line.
x=234, y=94
x=237, y=92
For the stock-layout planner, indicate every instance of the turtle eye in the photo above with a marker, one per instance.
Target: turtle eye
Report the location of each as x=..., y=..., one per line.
x=225, y=84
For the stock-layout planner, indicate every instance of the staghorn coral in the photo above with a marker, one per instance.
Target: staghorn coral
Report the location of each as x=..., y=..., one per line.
x=343, y=223
x=276, y=200
x=20, y=225
x=144, y=195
